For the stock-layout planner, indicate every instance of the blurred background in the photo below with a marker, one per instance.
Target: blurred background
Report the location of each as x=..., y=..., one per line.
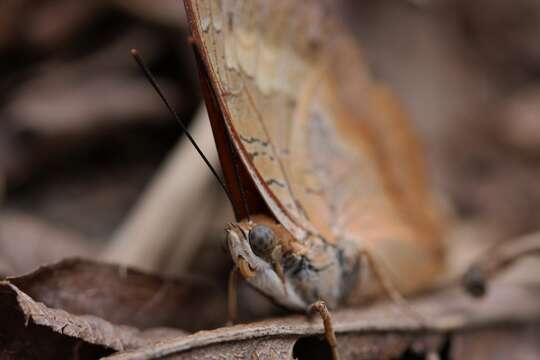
x=91, y=163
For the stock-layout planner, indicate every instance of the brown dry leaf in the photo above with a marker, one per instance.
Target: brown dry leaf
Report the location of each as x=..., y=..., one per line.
x=69, y=310
x=124, y=296
x=31, y=330
x=381, y=331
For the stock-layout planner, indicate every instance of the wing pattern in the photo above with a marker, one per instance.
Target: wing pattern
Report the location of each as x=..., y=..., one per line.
x=328, y=148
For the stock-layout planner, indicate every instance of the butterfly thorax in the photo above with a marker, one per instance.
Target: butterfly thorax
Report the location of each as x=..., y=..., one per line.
x=293, y=272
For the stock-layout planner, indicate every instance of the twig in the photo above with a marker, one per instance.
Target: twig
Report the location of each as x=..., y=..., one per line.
x=497, y=259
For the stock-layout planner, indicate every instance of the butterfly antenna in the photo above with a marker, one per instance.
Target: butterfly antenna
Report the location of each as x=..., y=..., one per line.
x=152, y=80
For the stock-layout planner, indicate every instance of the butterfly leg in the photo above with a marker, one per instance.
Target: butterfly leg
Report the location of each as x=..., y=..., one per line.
x=389, y=288
x=321, y=308
x=232, y=296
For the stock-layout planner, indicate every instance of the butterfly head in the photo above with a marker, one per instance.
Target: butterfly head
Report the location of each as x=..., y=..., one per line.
x=292, y=273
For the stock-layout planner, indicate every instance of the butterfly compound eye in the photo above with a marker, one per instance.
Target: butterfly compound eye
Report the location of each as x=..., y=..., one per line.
x=261, y=239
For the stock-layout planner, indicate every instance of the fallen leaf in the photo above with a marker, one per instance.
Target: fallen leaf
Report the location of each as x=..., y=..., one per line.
x=31, y=330
x=381, y=331
x=124, y=296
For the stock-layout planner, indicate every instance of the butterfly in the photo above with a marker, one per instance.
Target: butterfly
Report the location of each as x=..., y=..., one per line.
x=323, y=168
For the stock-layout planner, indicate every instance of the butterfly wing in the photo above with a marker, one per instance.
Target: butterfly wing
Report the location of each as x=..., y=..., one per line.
x=328, y=149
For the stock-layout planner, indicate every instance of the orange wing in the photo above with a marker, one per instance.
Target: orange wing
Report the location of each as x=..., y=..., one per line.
x=328, y=149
